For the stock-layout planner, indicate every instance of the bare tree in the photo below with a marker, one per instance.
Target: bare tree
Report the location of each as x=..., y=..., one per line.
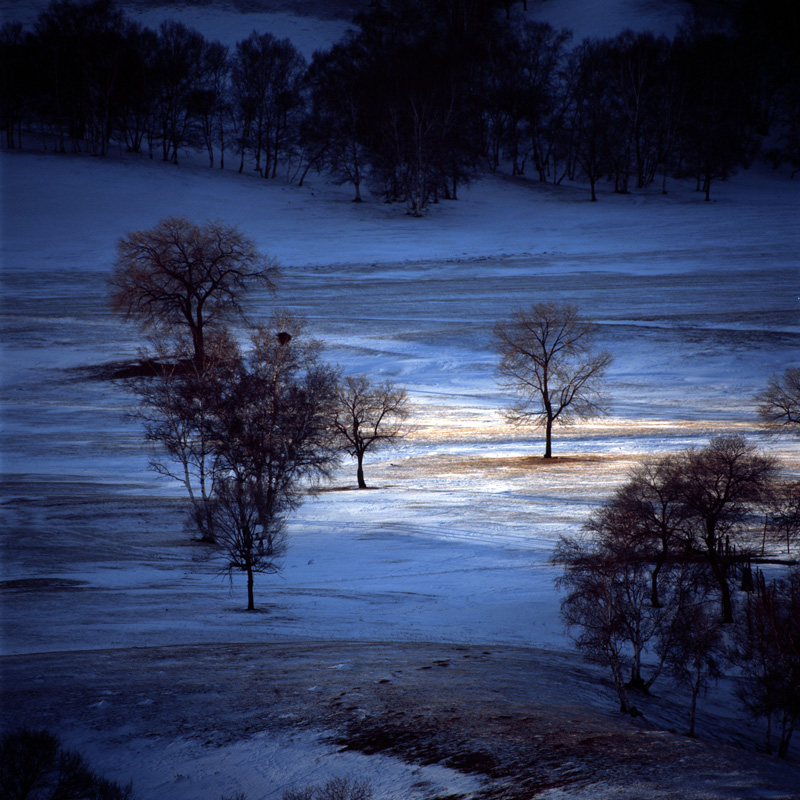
x=247, y=434
x=647, y=510
x=182, y=276
x=248, y=544
x=607, y=575
x=695, y=652
x=698, y=506
x=368, y=416
x=178, y=71
x=596, y=107
x=779, y=403
x=546, y=359
x=339, y=788
x=604, y=595
x=337, y=115
x=35, y=764
x=274, y=441
x=719, y=486
x=767, y=649
x=783, y=514
x=177, y=405
x=266, y=78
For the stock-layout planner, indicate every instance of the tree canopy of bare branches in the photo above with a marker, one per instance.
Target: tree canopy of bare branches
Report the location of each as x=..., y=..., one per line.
x=248, y=434
x=783, y=514
x=547, y=361
x=368, y=416
x=647, y=513
x=695, y=650
x=767, y=649
x=719, y=486
x=177, y=405
x=272, y=438
x=779, y=403
x=180, y=276
x=606, y=608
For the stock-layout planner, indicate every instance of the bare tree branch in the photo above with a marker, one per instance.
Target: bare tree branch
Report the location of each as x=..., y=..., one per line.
x=779, y=403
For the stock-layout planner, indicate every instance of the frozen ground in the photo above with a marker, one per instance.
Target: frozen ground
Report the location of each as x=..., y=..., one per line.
x=418, y=618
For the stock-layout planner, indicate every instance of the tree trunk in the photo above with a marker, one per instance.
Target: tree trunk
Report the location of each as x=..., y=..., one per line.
x=360, y=471
x=625, y=706
x=787, y=728
x=251, y=606
x=720, y=574
x=727, y=605
x=654, y=599
x=693, y=710
x=548, y=436
x=718, y=562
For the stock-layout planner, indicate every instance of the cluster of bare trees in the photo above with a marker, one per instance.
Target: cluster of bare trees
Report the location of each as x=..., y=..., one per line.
x=657, y=569
x=418, y=99
x=247, y=431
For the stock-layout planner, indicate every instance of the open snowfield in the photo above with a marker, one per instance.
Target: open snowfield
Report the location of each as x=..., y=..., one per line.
x=413, y=637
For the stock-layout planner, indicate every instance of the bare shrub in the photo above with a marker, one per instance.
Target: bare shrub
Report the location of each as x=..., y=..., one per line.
x=306, y=793
x=338, y=788
x=345, y=789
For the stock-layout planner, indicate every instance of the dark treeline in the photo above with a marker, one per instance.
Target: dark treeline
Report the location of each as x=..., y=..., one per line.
x=421, y=97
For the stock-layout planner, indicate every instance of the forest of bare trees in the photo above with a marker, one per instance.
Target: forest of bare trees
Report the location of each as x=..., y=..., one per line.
x=419, y=99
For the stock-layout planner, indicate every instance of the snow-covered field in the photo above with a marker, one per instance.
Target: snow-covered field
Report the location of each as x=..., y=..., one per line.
x=426, y=603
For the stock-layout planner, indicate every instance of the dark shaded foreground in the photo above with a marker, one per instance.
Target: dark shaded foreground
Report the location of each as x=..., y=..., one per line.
x=524, y=720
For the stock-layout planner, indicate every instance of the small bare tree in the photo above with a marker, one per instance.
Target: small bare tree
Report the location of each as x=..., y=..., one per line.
x=368, y=416
x=180, y=276
x=547, y=360
x=273, y=441
x=252, y=540
x=766, y=646
x=177, y=404
x=696, y=647
x=779, y=403
x=720, y=485
x=596, y=607
x=783, y=514
x=647, y=514
x=338, y=788
x=608, y=607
